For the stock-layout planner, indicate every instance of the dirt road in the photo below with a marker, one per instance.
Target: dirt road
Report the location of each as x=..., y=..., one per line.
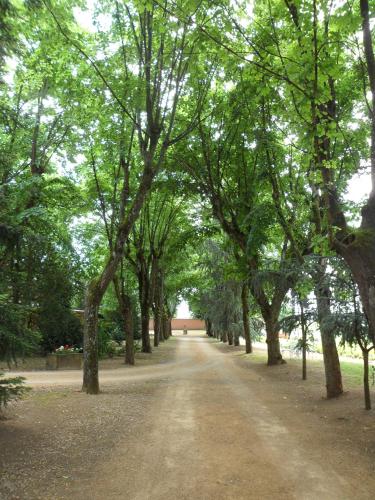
x=213, y=427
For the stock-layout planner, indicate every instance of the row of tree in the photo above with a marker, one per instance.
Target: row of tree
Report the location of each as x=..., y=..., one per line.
x=121, y=139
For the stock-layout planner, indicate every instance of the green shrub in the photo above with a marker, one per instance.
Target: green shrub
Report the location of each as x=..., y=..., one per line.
x=17, y=339
x=11, y=388
x=111, y=348
x=56, y=322
x=137, y=346
x=59, y=326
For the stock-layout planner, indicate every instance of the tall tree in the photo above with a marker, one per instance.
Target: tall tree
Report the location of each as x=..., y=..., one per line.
x=153, y=56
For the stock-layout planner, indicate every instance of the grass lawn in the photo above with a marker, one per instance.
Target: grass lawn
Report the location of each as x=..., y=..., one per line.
x=352, y=372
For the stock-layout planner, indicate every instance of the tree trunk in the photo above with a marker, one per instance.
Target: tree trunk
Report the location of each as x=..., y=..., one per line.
x=209, y=327
x=270, y=314
x=331, y=358
x=366, y=385
x=125, y=306
x=37, y=168
x=304, y=350
x=15, y=268
x=245, y=317
x=155, y=301
x=90, y=340
x=156, y=329
x=360, y=259
x=128, y=327
x=159, y=301
x=165, y=329
x=99, y=285
x=145, y=319
x=236, y=338
x=230, y=337
x=359, y=254
x=358, y=249
x=224, y=336
x=273, y=342
x=170, y=332
x=145, y=311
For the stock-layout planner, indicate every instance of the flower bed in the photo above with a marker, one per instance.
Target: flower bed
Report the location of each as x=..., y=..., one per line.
x=65, y=358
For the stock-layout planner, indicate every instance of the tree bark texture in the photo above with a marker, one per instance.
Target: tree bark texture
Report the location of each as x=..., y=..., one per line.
x=273, y=342
x=129, y=332
x=159, y=301
x=209, y=327
x=170, y=327
x=90, y=341
x=156, y=329
x=155, y=301
x=230, y=337
x=245, y=317
x=125, y=306
x=165, y=325
x=304, y=345
x=144, y=303
x=366, y=385
x=270, y=315
x=330, y=355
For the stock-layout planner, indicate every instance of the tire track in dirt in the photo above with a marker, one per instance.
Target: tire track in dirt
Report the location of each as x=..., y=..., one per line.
x=211, y=438
x=210, y=434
